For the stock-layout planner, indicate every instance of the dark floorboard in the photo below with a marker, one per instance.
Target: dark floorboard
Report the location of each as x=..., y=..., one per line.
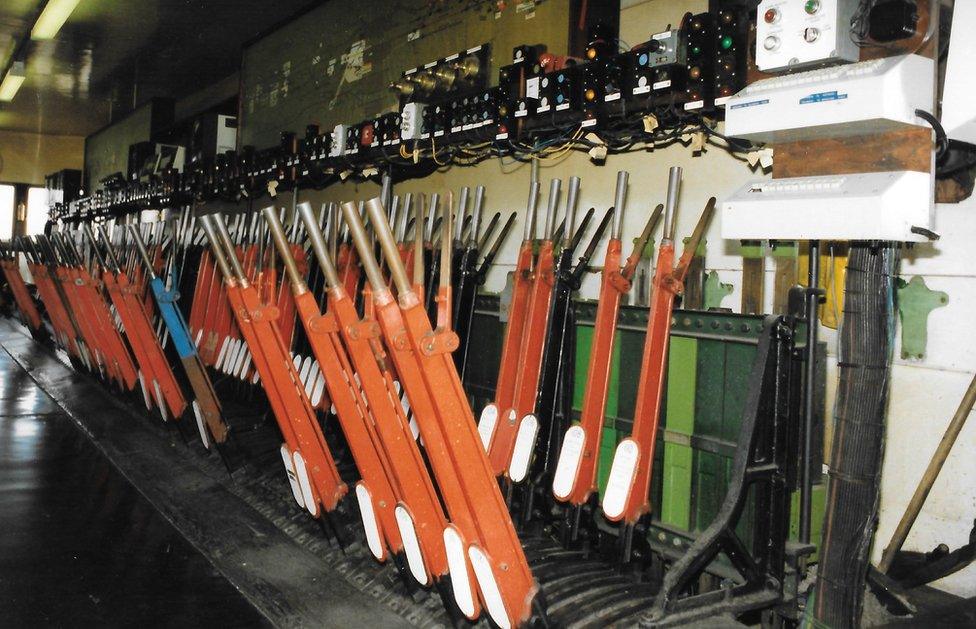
x=79, y=545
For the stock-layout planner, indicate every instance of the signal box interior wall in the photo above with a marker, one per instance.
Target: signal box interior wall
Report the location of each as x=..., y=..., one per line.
x=335, y=63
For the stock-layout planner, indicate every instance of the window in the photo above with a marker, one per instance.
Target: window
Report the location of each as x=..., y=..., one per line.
x=6, y=212
x=37, y=211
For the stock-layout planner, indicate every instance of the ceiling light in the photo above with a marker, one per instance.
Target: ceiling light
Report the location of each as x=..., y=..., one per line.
x=12, y=82
x=52, y=18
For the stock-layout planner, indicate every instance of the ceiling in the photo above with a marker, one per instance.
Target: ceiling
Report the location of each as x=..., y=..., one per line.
x=113, y=55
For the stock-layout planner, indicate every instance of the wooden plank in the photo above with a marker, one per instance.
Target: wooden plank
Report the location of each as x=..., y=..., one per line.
x=753, y=271
x=906, y=149
x=785, y=254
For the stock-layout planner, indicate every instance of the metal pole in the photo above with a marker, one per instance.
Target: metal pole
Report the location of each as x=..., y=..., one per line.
x=281, y=242
x=572, y=199
x=619, y=198
x=674, y=183
x=553, y=206
x=479, y=199
x=806, y=474
x=354, y=221
x=528, y=233
x=319, y=246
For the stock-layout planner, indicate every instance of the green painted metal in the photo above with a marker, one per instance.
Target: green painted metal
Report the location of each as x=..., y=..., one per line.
x=715, y=291
x=709, y=367
x=679, y=427
x=915, y=302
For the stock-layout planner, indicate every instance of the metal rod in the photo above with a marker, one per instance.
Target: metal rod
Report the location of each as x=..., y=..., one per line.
x=554, y=186
x=141, y=249
x=94, y=245
x=809, y=406
x=431, y=213
x=674, y=183
x=388, y=244
x=407, y=205
x=281, y=242
x=462, y=211
x=418, y=246
x=446, y=248
x=109, y=249
x=619, y=198
x=231, y=251
x=354, y=221
x=572, y=200
x=218, y=251
x=528, y=232
x=479, y=200
x=319, y=246
x=386, y=190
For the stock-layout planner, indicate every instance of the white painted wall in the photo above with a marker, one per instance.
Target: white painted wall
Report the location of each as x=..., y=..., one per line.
x=924, y=394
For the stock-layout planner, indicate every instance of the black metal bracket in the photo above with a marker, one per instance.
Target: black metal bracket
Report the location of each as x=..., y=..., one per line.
x=760, y=473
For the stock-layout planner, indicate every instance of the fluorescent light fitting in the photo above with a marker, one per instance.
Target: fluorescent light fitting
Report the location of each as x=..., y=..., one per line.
x=52, y=18
x=12, y=82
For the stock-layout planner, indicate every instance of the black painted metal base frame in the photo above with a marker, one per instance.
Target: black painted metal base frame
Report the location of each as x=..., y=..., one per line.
x=763, y=471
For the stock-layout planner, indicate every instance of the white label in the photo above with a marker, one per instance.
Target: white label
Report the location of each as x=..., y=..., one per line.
x=458, y=567
x=644, y=89
x=308, y=494
x=611, y=97
x=660, y=85
x=721, y=101
x=698, y=104
x=222, y=354
x=486, y=425
x=528, y=429
x=568, y=464
x=589, y=122
x=296, y=491
x=621, y=478
x=542, y=109
x=204, y=435
x=562, y=107
x=411, y=545
x=489, y=587
x=532, y=87
x=160, y=401
x=145, y=392
x=501, y=136
x=370, y=526
x=451, y=57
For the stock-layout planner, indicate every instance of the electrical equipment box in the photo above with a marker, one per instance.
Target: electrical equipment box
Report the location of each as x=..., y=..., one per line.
x=867, y=206
x=867, y=97
x=63, y=187
x=700, y=45
x=411, y=121
x=651, y=66
x=794, y=34
x=338, y=144
x=150, y=158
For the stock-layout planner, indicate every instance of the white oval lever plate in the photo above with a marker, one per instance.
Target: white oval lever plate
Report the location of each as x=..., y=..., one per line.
x=489, y=587
x=411, y=545
x=457, y=564
x=296, y=491
x=372, y=528
x=621, y=478
x=569, y=462
x=528, y=429
x=486, y=424
x=308, y=494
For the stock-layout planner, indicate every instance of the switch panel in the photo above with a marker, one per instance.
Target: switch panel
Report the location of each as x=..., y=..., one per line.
x=865, y=206
x=867, y=97
x=795, y=34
